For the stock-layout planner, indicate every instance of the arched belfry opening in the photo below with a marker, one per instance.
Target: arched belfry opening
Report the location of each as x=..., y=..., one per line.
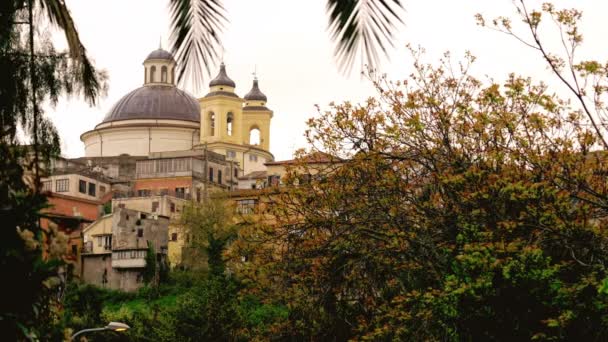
x=254, y=136
x=229, y=123
x=211, y=124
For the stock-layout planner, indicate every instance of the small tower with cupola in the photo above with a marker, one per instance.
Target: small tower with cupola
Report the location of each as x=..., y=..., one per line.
x=221, y=111
x=159, y=68
x=235, y=127
x=256, y=118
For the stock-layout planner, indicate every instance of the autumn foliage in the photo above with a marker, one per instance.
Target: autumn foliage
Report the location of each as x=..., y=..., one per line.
x=453, y=209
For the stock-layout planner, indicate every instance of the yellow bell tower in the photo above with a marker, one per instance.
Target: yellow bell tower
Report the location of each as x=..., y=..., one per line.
x=256, y=118
x=235, y=127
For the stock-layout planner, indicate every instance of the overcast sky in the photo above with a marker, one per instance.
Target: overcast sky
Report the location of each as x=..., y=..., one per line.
x=289, y=43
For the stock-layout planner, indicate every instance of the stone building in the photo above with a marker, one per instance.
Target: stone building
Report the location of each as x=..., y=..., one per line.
x=115, y=248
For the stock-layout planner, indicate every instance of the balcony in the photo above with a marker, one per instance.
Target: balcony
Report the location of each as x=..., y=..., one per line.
x=132, y=258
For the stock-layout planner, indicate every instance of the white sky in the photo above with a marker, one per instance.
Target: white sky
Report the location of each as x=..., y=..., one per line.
x=289, y=43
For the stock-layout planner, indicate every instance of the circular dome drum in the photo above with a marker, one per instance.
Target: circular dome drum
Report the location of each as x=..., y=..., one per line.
x=155, y=102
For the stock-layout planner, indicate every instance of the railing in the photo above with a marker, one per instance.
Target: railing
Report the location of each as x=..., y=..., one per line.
x=149, y=193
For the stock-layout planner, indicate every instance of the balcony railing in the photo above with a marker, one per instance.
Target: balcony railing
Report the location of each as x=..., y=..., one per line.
x=149, y=193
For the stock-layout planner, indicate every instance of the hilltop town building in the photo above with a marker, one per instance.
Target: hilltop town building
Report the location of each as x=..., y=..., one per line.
x=157, y=149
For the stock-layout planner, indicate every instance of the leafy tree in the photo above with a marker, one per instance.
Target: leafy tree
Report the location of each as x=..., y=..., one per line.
x=210, y=226
x=448, y=209
x=32, y=74
x=151, y=271
x=586, y=80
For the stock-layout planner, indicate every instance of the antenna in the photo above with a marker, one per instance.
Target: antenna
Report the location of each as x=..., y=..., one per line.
x=255, y=72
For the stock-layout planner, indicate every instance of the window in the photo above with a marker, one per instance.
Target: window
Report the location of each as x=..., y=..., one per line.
x=180, y=192
x=163, y=74
x=47, y=186
x=82, y=186
x=154, y=207
x=236, y=172
x=246, y=206
x=62, y=185
x=253, y=158
x=144, y=193
x=74, y=249
x=254, y=136
x=121, y=205
x=164, y=192
x=219, y=176
x=172, y=207
x=140, y=232
x=229, y=120
x=152, y=73
x=92, y=189
x=230, y=154
x=274, y=180
x=173, y=236
x=107, y=242
x=99, y=241
x=211, y=174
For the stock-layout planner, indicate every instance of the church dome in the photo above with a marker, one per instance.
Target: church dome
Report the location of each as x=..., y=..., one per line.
x=155, y=102
x=160, y=54
x=255, y=94
x=222, y=78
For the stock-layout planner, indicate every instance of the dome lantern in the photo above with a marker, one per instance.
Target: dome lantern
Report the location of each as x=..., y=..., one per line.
x=159, y=68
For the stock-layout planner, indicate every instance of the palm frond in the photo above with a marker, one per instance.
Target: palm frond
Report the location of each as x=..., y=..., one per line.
x=195, y=41
x=87, y=77
x=362, y=27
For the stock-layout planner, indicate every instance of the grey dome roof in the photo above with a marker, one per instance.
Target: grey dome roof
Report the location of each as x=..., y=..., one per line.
x=222, y=78
x=160, y=54
x=255, y=94
x=155, y=102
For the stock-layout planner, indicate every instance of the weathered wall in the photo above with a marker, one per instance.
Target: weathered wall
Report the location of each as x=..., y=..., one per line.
x=94, y=266
x=126, y=225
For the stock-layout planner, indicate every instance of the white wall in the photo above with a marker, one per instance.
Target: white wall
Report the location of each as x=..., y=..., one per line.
x=138, y=141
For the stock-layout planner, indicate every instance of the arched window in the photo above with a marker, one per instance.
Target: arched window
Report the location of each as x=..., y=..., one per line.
x=254, y=136
x=163, y=74
x=229, y=121
x=211, y=124
x=152, y=74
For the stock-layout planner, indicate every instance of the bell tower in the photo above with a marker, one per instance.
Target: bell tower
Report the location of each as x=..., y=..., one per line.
x=256, y=118
x=221, y=111
x=235, y=127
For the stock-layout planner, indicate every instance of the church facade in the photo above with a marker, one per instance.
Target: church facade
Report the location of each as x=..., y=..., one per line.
x=160, y=117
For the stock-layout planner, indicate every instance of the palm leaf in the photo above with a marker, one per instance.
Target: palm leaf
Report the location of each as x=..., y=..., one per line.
x=195, y=42
x=363, y=27
x=86, y=76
